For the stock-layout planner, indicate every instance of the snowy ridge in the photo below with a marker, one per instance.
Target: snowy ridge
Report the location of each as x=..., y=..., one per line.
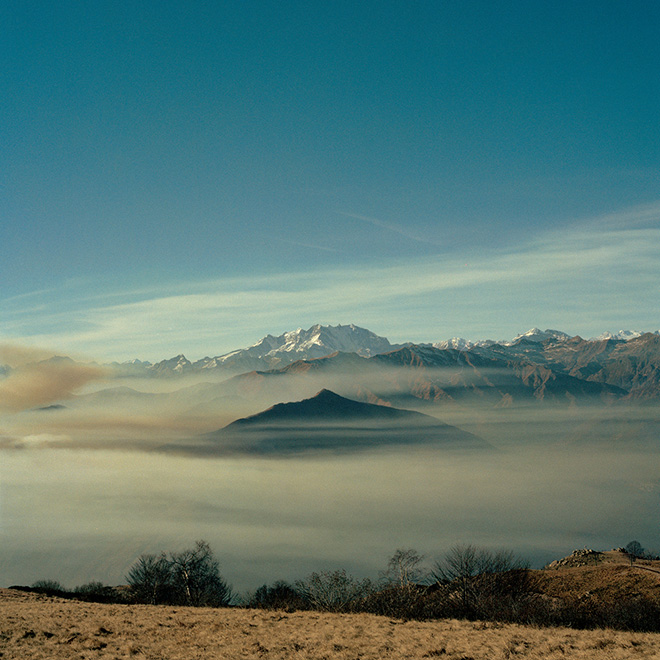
x=537, y=335
x=319, y=341
x=275, y=352
x=272, y=352
x=457, y=343
x=622, y=335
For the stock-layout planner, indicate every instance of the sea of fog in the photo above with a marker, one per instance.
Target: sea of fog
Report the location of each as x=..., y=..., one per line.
x=77, y=515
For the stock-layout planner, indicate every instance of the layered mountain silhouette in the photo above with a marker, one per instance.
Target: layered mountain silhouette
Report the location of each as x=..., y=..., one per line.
x=330, y=422
x=536, y=369
x=540, y=364
x=423, y=376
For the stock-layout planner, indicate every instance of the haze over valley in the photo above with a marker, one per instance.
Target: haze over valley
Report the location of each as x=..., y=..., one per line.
x=329, y=457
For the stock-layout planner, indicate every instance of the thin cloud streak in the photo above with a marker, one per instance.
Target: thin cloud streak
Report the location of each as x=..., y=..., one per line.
x=589, y=274
x=391, y=226
x=633, y=217
x=311, y=246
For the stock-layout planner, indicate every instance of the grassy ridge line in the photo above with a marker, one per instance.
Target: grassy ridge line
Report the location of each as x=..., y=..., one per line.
x=41, y=628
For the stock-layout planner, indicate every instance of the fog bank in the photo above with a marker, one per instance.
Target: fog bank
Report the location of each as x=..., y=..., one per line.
x=80, y=515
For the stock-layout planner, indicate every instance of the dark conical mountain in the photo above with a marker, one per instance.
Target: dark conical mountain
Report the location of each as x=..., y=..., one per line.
x=329, y=422
x=330, y=408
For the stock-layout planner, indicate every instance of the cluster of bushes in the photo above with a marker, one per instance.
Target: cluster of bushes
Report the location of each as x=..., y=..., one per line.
x=96, y=592
x=191, y=577
x=469, y=583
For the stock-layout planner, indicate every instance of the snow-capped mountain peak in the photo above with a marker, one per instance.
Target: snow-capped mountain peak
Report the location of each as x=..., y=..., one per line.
x=178, y=364
x=624, y=335
x=457, y=343
x=538, y=335
x=321, y=340
x=275, y=352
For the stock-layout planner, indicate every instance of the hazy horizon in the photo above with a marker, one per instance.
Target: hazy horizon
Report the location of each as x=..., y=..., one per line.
x=86, y=489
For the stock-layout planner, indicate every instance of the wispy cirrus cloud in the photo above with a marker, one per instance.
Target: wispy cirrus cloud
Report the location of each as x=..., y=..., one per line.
x=639, y=216
x=396, y=228
x=591, y=277
x=310, y=246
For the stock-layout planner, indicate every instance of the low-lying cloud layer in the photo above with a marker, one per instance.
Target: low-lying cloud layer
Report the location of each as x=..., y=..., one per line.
x=565, y=476
x=270, y=519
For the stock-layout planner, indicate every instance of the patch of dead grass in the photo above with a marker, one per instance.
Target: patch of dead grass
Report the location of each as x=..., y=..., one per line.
x=50, y=629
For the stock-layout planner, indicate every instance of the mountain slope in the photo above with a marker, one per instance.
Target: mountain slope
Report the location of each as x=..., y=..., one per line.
x=329, y=422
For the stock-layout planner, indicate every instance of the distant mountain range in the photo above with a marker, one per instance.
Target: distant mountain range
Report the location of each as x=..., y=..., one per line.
x=538, y=364
x=319, y=341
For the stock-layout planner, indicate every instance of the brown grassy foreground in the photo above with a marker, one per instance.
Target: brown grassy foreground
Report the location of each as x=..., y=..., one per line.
x=40, y=627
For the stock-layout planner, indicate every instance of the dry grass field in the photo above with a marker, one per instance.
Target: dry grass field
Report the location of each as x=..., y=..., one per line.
x=44, y=628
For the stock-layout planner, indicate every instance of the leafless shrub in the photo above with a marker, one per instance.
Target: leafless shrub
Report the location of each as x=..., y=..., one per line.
x=96, y=592
x=333, y=591
x=279, y=596
x=51, y=587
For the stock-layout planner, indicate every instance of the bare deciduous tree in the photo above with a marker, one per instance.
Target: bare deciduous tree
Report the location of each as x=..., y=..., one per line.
x=482, y=579
x=191, y=577
x=333, y=591
x=196, y=577
x=150, y=579
x=404, y=568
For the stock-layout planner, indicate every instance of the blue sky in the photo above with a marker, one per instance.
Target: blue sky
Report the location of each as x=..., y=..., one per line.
x=187, y=177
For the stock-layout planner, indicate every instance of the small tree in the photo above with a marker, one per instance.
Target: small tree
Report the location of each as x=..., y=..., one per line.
x=400, y=592
x=196, y=578
x=404, y=568
x=150, y=579
x=333, y=591
x=635, y=551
